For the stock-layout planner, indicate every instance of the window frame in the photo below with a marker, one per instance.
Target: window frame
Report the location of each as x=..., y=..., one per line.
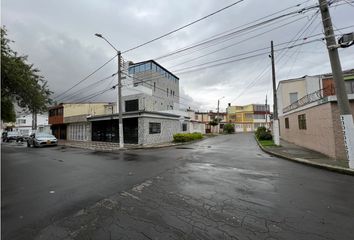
x=154, y=127
x=286, y=121
x=302, y=121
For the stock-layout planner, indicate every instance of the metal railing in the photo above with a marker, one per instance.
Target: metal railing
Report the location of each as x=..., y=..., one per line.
x=309, y=98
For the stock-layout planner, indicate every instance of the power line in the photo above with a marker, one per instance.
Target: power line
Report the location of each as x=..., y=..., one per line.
x=93, y=95
x=236, y=60
x=184, y=26
x=147, y=80
x=234, y=44
x=238, y=31
x=86, y=87
x=85, y=78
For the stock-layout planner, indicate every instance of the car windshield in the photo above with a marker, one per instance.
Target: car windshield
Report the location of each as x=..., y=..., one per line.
x=44, y=135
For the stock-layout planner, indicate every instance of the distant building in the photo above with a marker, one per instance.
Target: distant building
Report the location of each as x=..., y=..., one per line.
x=309, y=114
x=248, y=118
x=23, y=124
x=207, y=117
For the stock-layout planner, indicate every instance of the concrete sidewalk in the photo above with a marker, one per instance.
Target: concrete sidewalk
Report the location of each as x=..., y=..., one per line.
x=109, y=146
x=303, y=155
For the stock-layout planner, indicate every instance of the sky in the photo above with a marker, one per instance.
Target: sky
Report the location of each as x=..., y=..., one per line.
x=58, y=37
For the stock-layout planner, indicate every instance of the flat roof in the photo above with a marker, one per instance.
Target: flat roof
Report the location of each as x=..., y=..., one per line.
x=133, y=113
x=151, y=60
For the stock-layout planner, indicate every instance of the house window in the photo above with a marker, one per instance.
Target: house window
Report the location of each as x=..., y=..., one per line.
x=167, y=92
x=184, y=127
x=154, y=128
x=302, y=121
x=132, y=105
x=293, y=97
x=21, y=121
x=286, y=122
x=154, y=86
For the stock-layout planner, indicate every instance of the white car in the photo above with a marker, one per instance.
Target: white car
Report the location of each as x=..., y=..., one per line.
x=41, y=140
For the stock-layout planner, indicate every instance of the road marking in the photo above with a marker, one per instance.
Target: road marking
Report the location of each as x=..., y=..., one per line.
x=140, y=187
x=126, y=194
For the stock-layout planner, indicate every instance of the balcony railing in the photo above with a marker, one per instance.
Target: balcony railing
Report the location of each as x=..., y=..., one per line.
x=309, y=98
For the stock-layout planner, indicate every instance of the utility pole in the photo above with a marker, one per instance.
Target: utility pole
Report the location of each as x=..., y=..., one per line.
x=217, y=115
x=119, y=97
x=266, y=111
x=276, y=136
x=120, y=108
x=342, y=98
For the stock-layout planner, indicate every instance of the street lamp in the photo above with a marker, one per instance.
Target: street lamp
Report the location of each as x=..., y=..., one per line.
x=217, y=115
x=119, y=98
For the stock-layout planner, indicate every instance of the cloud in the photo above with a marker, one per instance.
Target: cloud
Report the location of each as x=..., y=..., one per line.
x=59, y=38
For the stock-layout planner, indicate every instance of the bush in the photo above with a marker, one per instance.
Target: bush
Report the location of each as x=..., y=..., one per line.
x=229, y=128
x=186, y=137
x=263, y=134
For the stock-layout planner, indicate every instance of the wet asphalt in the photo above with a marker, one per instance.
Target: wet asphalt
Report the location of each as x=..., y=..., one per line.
x=220, y=188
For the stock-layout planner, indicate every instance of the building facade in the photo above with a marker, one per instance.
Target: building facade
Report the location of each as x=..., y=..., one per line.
x=69, y=120
x=24, y=124
x=150, y=109
x=313, y=120
x=207, y=117
x=248, y=118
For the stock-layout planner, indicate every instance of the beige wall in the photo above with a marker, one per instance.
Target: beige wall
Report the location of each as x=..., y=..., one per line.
x=318, y=136
x=292, y=87
x=85, y=108
x=323, y=133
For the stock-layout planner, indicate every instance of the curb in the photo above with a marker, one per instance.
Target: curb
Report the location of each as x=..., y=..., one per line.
x=307, y=162
x=135, y=148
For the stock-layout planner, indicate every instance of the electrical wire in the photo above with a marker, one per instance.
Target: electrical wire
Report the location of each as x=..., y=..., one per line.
x=239, y=42
x=68, y=97
x=303, y=10
x=85, y=78
x=184, y=26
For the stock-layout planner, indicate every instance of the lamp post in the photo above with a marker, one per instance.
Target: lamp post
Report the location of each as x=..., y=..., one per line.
x=119, y=98
x=217, y=115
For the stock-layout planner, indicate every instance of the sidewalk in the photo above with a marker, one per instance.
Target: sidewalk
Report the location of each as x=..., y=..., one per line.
x=109, y=146
x=303, y=155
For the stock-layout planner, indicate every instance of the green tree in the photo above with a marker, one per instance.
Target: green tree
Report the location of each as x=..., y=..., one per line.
x=20, y=83
x=229, y=128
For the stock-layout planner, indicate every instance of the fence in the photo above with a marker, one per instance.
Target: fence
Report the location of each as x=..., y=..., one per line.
x=309, y=98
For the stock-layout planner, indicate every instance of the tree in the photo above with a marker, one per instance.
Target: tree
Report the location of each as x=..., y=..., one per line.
x=20, y=83
x=229, y=128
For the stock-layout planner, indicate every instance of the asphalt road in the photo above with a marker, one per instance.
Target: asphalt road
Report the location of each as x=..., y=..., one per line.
x=219, y=188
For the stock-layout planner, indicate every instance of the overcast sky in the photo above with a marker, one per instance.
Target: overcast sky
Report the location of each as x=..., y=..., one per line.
x=58, y=37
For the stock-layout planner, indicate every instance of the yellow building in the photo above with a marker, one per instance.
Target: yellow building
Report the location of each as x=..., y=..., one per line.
x=247, y=118
x=69, y=120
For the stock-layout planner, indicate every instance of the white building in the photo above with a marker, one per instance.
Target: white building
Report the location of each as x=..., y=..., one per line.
x=24, y=124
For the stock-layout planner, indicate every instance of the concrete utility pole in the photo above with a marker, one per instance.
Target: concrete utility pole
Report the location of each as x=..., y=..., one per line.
x=276, y=136
x=342, y=98
x=266, y=111
x=119, y=98
x=120, y=108
x=217, y=115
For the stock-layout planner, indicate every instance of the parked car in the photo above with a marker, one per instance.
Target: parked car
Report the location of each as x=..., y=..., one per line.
x=11, y=136
x=41, y=140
